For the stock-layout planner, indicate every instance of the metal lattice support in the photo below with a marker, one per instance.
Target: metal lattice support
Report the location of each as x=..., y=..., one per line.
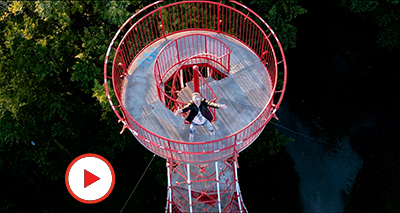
x=211, y=187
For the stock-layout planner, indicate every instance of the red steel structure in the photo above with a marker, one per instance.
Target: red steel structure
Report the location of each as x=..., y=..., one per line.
x=179, y=54
x=197, y=172
x=173, y=101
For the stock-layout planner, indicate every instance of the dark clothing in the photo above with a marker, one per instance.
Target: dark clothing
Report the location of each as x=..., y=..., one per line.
x=203, y=109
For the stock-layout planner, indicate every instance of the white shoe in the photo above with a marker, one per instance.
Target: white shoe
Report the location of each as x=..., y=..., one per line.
x=212, y=135
x=191, y=137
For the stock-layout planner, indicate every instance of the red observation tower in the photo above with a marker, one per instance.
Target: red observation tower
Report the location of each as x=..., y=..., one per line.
x=240, y=60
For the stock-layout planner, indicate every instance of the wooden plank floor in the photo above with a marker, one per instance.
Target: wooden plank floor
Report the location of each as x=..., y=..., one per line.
x=246, y=91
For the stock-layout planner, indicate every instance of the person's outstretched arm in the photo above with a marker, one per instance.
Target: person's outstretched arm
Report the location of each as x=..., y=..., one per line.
x=184, y=109
x=215, y=105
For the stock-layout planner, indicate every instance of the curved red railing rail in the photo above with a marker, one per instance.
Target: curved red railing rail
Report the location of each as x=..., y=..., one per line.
x=205, y=89
x=184, y=47
x=189, y=49
x=156, y=21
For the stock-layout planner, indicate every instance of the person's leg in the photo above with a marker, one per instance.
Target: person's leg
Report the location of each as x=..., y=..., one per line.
x=210, y=128
x=192, y=131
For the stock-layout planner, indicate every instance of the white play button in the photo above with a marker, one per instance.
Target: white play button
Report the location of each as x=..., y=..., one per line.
x=90, y=178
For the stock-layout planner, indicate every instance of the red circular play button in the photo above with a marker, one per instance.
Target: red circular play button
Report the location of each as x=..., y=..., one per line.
x=90, y=178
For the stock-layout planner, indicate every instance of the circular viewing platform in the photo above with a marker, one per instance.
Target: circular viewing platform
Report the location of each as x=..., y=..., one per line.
x=246, y=91
x=250, y=90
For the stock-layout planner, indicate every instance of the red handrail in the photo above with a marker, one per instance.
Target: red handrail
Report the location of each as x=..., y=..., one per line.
x=166, y=20
x=207, y=94
x=177, y=52
x=220, y=52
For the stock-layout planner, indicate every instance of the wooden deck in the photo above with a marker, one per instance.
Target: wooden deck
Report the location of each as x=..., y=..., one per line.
x=246, y=91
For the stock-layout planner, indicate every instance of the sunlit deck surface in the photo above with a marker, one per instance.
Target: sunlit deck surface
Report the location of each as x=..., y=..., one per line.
x=246, y=91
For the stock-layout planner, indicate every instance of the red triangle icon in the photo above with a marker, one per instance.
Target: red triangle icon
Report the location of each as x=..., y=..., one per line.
x=90, y=178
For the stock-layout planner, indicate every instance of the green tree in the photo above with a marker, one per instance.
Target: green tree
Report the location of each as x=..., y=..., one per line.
x=52, y=55
x=279, y=14
x=384, y=14
x=269, y=143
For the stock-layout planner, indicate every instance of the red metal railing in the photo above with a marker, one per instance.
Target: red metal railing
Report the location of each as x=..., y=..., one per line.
x=184, y=47
x=200, y=49
x=155, y=22
x=205, y=89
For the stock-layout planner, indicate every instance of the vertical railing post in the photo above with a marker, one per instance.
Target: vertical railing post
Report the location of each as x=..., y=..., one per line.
x=162, y=24
x=177, y=50
x=205, y=43
x=218, y=22
x=123, y=63
x=181, y=78
x=262, y=48
x=229, y=63
x=157, y=81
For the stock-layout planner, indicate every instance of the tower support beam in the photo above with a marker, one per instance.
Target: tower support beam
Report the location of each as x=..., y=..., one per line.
x=189, y=188
x=237, y=188
x=218, y=191
x=196, y=81
x=169, y=198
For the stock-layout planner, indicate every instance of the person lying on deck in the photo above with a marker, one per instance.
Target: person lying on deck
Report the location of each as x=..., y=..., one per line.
x=199, y=114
